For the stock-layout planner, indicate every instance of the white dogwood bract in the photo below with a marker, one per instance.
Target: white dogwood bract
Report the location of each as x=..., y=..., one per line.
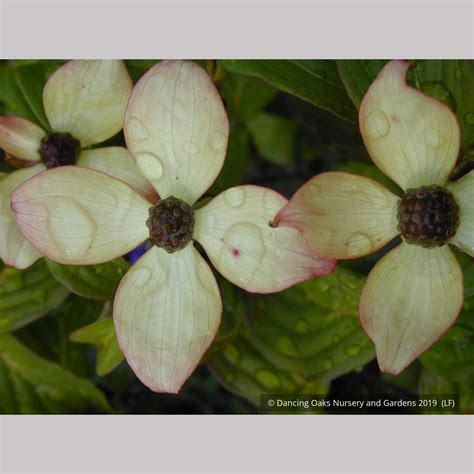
x=168, y=307
x=86, y=99
x=413, y=294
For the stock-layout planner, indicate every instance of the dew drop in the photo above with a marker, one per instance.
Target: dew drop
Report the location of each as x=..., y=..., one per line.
x=302, y=326
x=140, y=277
x=327, y=364
x=433, y=138
x=230, y=377
x=75, y=241
x=192, y=148
x=377, y=124
x=459, y=75
x=218, y=142
x=137, y=129
x=359, y=242
x=470, y=118
x=235, y=197
x=232, y=354
x=150, y=165
x=287, y=347
x=352, y=351
x=267, y=379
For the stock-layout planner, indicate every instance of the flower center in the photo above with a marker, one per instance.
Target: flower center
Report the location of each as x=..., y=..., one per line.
x=59, y=149
x=171, y=224
x=428, y=216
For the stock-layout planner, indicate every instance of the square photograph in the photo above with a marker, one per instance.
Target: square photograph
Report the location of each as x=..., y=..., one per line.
x=237, y=236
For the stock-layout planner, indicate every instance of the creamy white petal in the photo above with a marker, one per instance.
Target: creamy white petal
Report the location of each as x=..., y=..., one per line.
x=176, y=129
x=167, y=311
x=342, y=215
x=463, y=192
x=117, y=162
x=411, y=137
x=235, y=231
x=87, y=98
x=80, y=216
x=21, y=138
x=14, y=248
x=411, y=298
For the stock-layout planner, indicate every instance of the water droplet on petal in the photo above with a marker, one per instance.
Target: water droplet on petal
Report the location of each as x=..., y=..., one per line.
x=137, y=129
x=74, y=241
x=433, y=138
x=140, y=277
x=359, y=242
x=235, y=197
x=377, y=124
x=149, y=165
x=267, y=379
x=218, y=142
x=192, y=148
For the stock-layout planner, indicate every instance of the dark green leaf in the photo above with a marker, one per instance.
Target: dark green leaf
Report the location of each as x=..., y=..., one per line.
x=313, y=328
x=316, y=81
x=30, y=384
x=31, y=79
x=27, y=295
x=242, y=369
x=101, y=334
x=92, y=281
x=49, y=337
x=11, y=95
x=245, y=96
x=453, y=356
x=458, y=77
x=274, y=137
x=357, y=75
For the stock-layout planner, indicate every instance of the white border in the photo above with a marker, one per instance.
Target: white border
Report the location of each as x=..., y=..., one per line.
x=230, y=29
x=237, y=29
x=237, y=443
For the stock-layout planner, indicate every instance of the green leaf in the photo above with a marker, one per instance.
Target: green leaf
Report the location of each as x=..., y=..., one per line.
x=274, y=137
x=312, y=328
x=92, y=281
x=27, y=295
x=434, y=384
x=11, y=95
x=453, y=356
x=31, y=79
x=315, y=81
x=236, y=160
x=232, y=316
x=242, y=369
x=357, y=75
x=458, y=77
x=49, y=337
x=245, y=96
x=31, y=384
x=101, y=334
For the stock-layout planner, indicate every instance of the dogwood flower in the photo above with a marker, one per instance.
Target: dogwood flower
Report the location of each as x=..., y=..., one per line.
x=84, y=102
x=415, y=292
x=168, y=307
